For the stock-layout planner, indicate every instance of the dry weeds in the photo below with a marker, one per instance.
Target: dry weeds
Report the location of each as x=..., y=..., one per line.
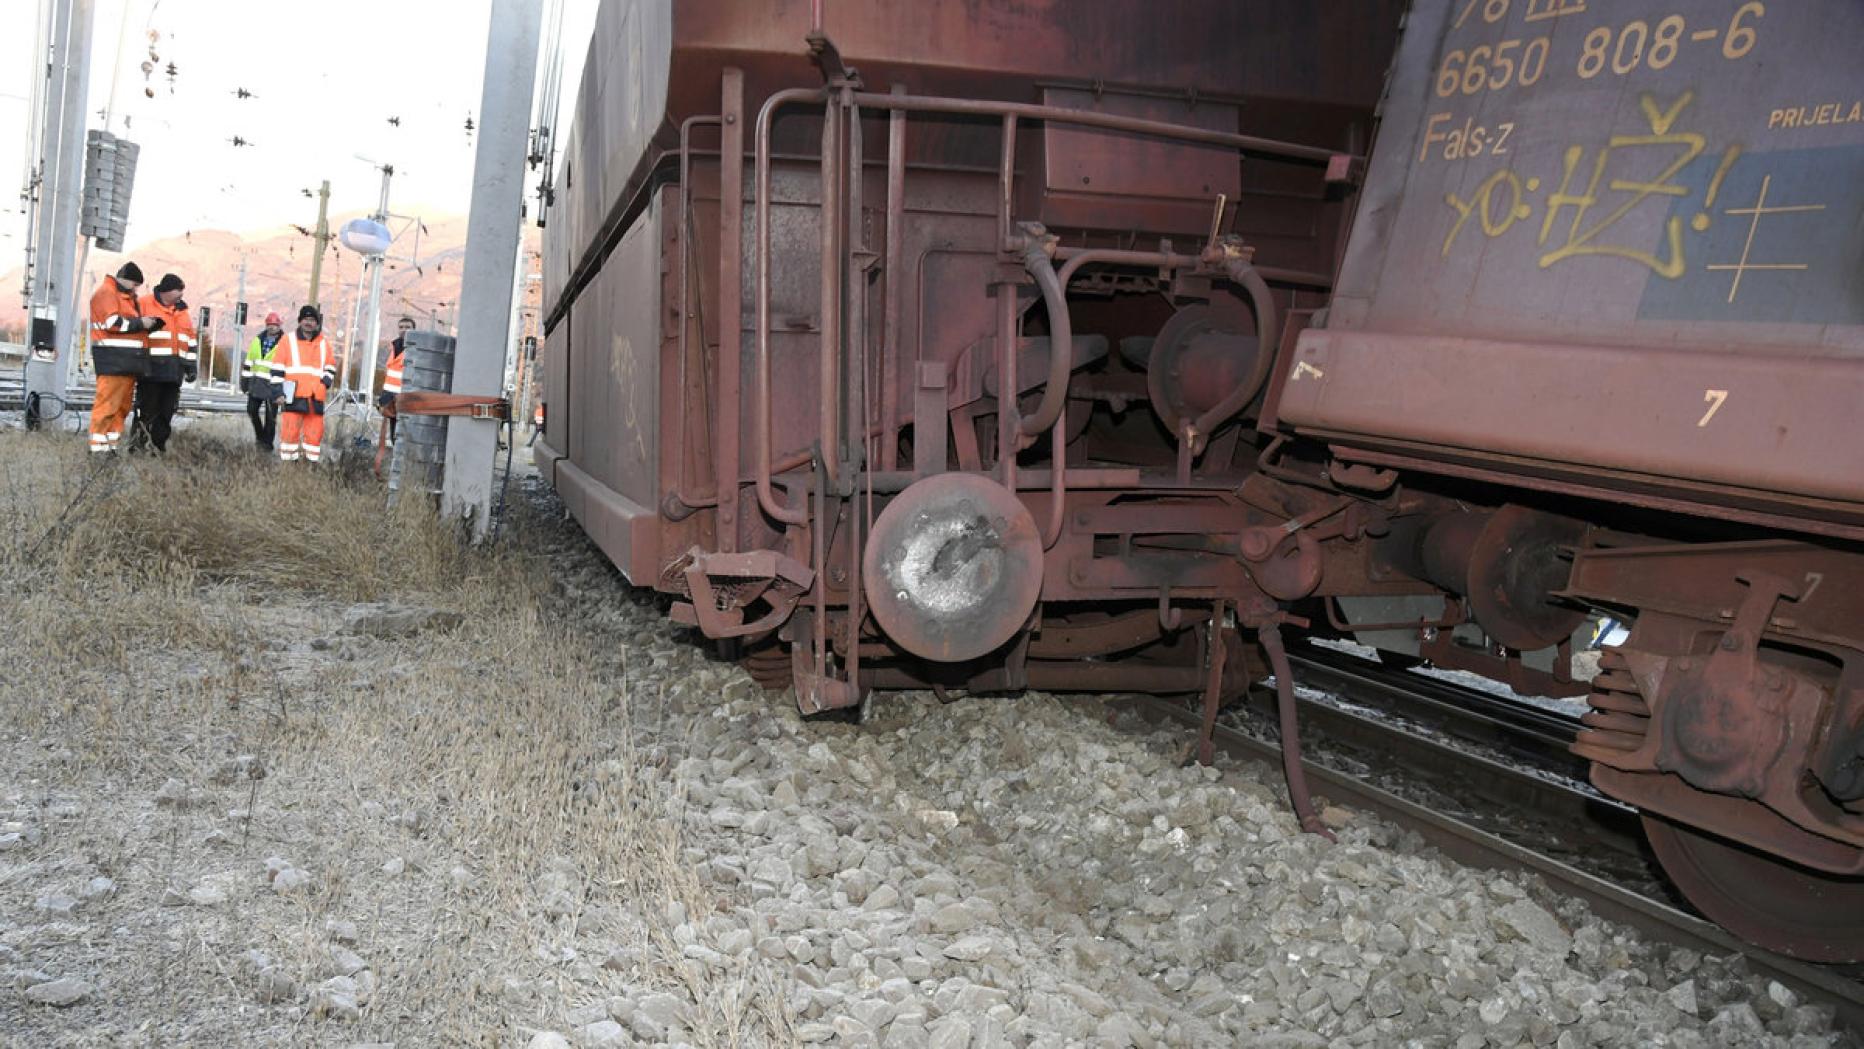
x=168, y=616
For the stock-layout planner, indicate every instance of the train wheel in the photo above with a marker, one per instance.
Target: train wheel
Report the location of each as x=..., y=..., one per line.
x=1781, y=906
x=768, y=663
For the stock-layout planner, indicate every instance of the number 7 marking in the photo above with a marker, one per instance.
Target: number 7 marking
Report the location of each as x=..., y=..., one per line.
x=1714, y=399
x=1813, y=579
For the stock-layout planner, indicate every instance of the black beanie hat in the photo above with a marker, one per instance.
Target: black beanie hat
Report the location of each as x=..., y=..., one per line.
x=169, y=282
x=130, y=272
x=310, y=311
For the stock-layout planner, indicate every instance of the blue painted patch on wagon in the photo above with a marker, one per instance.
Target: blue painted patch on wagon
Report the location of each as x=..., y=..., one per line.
x=1782, y=242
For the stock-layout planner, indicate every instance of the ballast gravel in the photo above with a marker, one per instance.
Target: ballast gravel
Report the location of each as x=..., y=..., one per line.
x=1020, y=871
x=714, y=870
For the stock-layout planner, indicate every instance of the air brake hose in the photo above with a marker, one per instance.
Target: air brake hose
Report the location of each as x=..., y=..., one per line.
x=1266, y=344
x=1061, y=342
x=1269, y=634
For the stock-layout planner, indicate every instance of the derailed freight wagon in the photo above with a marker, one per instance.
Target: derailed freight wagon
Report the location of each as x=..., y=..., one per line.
x=1014, y=343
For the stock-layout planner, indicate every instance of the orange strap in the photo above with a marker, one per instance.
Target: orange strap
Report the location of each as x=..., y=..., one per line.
x=413, y=402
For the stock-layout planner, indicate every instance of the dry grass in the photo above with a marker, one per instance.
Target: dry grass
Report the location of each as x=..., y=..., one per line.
x=168, y=615
x=217, y=507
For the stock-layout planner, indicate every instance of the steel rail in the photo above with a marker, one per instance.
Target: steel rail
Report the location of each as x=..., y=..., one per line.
x=1556, y=791
x=1474, y=847
x=1464, y=712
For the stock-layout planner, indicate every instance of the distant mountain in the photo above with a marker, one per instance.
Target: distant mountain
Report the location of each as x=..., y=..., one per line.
x=278, y=275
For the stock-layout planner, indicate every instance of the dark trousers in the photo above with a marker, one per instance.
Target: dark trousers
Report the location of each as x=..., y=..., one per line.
x=155, y=411
x=264, y=416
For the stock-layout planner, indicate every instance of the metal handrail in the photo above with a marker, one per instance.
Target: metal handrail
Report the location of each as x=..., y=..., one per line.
x=1011, y=113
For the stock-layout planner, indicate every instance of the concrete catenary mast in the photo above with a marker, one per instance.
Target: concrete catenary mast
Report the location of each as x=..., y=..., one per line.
x=55, y=299
x=492, y=233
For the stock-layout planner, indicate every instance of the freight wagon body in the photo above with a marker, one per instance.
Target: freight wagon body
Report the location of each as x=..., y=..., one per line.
x=1023, y=343
x=658, y=75
x=1615, y=252
x=1636, y=228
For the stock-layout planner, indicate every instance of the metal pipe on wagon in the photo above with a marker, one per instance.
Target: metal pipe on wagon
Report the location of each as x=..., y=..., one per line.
x=1061, y=330
x=727, y=408
x=1110, y=121
x=1007, y=437
x=1244, y=274
x=828, y=361
x=854, y=299
x=1270, y=636
x=890, y=317
x=1006, y=176
x=1058, y=491
x=760, y=427
x=1061, y=341
x=1061, y=359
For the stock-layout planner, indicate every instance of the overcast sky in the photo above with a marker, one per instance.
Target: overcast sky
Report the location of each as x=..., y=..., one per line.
x=325, y=76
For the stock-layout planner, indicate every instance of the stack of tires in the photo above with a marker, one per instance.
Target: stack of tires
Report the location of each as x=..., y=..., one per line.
x=421, y=440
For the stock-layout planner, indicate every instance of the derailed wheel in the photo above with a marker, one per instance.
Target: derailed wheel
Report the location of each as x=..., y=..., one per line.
x=1781, y=906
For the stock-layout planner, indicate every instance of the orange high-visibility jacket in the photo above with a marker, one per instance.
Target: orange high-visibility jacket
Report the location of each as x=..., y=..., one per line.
x=391, y=375
x=306, y=362
x=115, y=349
x=174, y=342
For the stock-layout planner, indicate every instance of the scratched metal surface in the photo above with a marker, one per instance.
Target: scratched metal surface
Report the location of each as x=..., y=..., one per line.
x=1647, y=172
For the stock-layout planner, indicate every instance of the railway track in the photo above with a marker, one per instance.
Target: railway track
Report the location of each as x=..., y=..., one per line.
x=1467, y=753
x=1471, y=714
x=78, y=398
x=1505, y=812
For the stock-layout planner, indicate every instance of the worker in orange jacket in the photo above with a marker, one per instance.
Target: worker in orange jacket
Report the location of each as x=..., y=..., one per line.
x=393, y=373
x=303, y=370
x=173, y=359
x=119, y=353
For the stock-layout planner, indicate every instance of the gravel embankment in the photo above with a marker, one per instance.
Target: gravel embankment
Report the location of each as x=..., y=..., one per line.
x=1018, y=871
x=509, y=814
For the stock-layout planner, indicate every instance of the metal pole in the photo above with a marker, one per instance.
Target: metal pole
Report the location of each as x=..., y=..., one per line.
x=41, y=145
x=367, y=380
x=46, y=379
x=208, y=344
x=507, y=368
x=239, y=332
x=116, y=66
x=49, y=85
x=322, y=238
x=493, y=228
x=355, y=319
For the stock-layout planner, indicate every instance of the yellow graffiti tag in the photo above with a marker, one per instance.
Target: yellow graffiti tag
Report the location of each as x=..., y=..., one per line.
x=1589, y=240
x=1482, y=204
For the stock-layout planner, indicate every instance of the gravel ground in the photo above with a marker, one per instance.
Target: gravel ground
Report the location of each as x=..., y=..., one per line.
x=629, y=843
x=1021, y=870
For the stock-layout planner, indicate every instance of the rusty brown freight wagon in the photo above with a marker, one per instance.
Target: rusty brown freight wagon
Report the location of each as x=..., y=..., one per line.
x=1027, y=343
